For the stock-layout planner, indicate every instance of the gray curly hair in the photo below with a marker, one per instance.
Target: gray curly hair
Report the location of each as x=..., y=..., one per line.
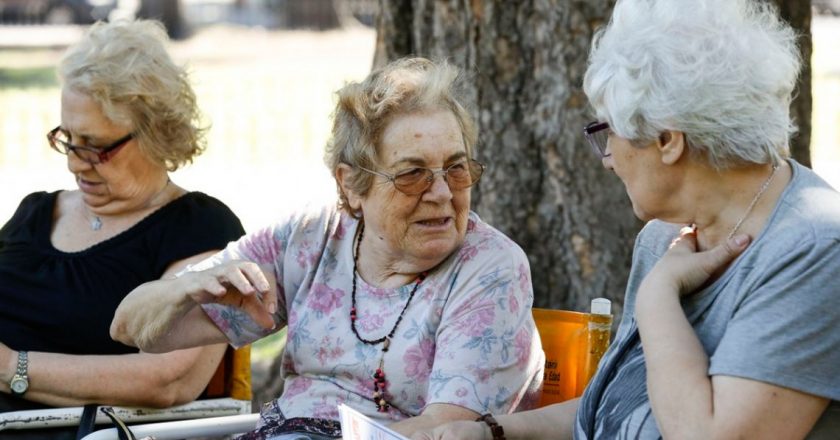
x=720, y=71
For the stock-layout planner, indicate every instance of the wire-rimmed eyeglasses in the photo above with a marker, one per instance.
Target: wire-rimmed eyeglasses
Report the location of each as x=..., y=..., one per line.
x=597, y=134
x=60, y=141
x=413, y=181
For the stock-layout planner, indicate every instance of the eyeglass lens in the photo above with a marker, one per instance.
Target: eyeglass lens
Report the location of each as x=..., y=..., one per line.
x=597, y=134
x=60, y=141
x=459, y=176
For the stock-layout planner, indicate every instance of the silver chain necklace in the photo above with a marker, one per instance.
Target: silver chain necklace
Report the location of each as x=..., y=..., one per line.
x=752, y=204
x=96, y=221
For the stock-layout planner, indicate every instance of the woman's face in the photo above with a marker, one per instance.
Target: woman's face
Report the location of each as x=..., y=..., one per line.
x=641, y=171
x=123, y=183
x=418, y=230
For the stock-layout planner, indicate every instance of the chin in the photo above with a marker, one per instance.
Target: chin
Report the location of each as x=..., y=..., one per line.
x=435, y=251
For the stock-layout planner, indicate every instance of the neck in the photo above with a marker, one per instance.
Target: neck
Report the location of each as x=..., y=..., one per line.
x=734, y=201
x=382, y=269
x=100, y=216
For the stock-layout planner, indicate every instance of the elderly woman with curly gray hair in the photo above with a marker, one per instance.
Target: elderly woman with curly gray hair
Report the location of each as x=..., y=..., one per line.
x=729, y=327
x=399, y=301
x=67, y=258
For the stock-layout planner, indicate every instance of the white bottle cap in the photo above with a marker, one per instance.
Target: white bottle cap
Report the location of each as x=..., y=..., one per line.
x=601, y=306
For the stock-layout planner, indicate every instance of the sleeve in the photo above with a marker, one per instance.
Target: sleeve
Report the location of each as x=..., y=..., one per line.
x=267, y=248
x=202, y=224
x=785, y=330
x=488, y=355
x=23, y=214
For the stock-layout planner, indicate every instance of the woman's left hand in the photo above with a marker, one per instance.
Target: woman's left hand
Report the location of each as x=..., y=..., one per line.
x=684, y=269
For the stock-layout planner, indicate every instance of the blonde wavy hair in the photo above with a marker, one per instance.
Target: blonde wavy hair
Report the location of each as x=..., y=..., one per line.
x=125, y=68
x=404, y=86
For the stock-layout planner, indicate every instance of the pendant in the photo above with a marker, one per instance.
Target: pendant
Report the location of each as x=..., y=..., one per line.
x=96, y=223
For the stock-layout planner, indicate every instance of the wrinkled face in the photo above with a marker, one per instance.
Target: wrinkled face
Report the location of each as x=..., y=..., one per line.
x=419, y=230
x=124, y=182
x=641, y=171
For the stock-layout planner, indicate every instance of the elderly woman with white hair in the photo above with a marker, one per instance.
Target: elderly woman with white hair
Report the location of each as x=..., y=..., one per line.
x=731, y=307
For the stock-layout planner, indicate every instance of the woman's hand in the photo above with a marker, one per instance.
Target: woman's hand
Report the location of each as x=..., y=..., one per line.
x=455, y=431
x=240, y=284
x=684, y=269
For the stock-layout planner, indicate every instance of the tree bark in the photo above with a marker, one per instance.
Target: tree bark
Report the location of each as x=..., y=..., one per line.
x=543, y=187
x=798, y=14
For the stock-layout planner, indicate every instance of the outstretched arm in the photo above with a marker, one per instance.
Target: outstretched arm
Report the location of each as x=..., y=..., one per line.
x=165, y=315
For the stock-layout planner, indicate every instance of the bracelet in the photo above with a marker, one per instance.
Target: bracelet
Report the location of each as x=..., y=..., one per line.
x=495, y=427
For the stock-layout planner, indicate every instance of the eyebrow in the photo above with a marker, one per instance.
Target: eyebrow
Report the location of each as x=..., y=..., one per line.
x=86, y=138
x=416, y=161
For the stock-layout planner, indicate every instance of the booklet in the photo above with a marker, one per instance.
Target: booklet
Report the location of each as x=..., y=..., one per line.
x=356, y=426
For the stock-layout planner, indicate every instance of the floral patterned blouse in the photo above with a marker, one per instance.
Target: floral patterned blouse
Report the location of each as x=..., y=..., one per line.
x=467, y=338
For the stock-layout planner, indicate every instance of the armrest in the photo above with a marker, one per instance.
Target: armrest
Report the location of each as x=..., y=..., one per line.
x=214, y=426
x=57, y=417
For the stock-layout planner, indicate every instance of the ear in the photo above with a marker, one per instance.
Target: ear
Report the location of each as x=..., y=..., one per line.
x=342, y=177
x=671, y=146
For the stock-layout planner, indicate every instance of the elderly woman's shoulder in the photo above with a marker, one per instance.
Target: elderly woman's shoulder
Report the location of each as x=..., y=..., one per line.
x=482, y=237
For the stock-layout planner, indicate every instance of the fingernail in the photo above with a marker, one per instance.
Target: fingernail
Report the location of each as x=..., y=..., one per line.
x=272, y=308
x=741, y=240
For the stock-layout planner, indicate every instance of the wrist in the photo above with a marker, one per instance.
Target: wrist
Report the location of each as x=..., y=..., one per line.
x=9, y=367
x=495, y=429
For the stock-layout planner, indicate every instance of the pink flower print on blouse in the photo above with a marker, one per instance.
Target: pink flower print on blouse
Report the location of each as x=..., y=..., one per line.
x=369, y=322
x=306, y=258
x=474, y=324
x=419, y=359
x=524, y=278
x=468, y=252
x=522, y=347
x=326, y=410
x=329, y=350
x=263, y=247
x=324, y=299
x=297, y=386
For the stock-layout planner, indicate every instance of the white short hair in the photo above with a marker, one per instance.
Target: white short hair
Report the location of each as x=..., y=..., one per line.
x=721, y=71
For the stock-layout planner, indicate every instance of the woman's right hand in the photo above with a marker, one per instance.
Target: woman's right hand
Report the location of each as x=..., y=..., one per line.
x=240, y=284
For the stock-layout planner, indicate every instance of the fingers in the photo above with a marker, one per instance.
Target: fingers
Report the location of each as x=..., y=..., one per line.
x=727, y=251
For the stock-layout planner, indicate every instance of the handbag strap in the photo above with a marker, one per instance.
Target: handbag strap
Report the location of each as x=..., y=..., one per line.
x=88, y=420
x=122, y=429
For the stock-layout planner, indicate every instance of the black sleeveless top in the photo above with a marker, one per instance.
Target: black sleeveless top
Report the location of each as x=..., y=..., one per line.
x=63, y=302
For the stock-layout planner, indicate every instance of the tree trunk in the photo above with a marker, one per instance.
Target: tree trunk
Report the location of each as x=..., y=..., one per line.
x=798, y=14
x=543, y=187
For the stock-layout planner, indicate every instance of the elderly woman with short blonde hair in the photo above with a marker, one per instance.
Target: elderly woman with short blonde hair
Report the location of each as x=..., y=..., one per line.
x=67, y=258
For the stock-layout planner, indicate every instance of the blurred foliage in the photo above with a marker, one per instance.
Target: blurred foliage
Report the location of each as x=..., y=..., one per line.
x=268, y=348
x=27, y=77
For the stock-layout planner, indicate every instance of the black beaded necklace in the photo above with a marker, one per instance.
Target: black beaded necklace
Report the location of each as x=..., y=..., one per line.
x=379, y=382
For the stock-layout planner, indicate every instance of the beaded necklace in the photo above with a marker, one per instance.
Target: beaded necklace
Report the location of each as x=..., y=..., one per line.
x=379, y=381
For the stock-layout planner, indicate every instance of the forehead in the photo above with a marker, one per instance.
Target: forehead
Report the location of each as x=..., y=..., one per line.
x=81, y=114
x=427, y=136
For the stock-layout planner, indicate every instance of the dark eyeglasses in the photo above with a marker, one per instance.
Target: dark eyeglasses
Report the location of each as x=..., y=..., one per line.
x=597, y=134
x=60, y=141
x=414, y=181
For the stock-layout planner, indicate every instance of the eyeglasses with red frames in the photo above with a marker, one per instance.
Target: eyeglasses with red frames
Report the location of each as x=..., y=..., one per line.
x=597, y=134
x=413, y=181
x=60, y=141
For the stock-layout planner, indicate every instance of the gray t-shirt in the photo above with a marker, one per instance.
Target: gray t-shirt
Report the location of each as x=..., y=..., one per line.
x=772, y=316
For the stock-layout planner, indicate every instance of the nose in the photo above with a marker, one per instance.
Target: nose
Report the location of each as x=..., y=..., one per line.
x=76, y=165
x=439, y=190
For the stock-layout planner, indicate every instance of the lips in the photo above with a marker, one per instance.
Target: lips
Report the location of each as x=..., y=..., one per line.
x=87, y=186
x=432, y=222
